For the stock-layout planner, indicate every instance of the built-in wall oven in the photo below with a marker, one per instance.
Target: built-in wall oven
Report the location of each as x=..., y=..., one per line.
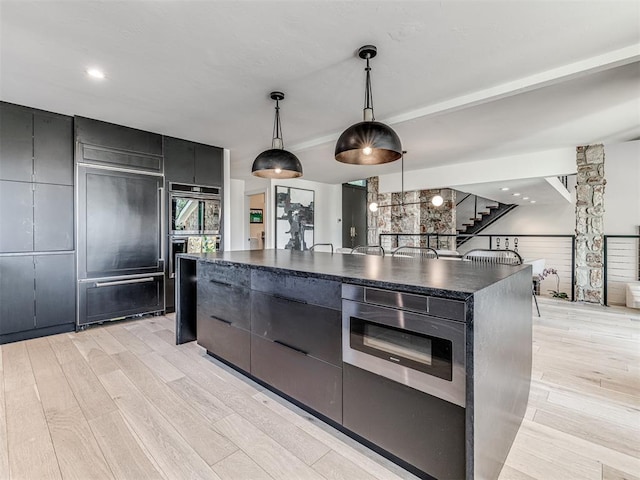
x=393, y=335
x=195, y=216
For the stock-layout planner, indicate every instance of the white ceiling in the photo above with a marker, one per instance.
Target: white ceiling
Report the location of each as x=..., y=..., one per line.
x=458, y=80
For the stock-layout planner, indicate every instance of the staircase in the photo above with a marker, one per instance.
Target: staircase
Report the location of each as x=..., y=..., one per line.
x=480, y=213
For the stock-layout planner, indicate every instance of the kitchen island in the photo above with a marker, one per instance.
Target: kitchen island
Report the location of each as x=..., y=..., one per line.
x=427, y=362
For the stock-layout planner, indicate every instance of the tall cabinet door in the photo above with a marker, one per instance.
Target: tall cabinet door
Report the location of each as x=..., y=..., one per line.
x=16, y=217
x=53, y=217
x=17, y=307
x=16, y=143
x=53, y=149
x=208, y=165
x=55, y=290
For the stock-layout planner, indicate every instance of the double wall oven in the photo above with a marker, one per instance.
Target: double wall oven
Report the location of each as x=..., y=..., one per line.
x=195, y=216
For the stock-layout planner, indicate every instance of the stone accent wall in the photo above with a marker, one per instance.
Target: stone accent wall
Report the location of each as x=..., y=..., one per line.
x=589, y=223
x=416, y=215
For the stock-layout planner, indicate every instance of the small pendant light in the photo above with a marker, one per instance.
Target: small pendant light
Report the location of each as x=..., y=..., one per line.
x=368, y=142
x=277, y=162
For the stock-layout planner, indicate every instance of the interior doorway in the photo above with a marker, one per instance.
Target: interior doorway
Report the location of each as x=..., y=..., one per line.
x=354, y=215
x=256, y=221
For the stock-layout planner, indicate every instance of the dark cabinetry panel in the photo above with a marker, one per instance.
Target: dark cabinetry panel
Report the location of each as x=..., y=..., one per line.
x=95, y=132
x=313, y=382
x=208, y=165
x=53, y=217
x=315, y=291
x=225, y=340
x=55, y=290
x=313, y=330
x=16, y=143
x=53, y=149
x=192, y=163
x=36, y=291
x=178, y=160
x=16, y=217
x=398, y=419
x=17, y=302
x=106, y=300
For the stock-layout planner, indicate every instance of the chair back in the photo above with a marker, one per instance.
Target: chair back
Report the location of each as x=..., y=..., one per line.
x=368, y=250
x=421, y=253
x=495, y=257
x=322, y=247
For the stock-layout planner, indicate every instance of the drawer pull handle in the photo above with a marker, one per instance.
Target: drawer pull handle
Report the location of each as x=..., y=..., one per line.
x=295, y=300
x=218, y=282
x=123, y=282
x=290, y=347
x=221, y=320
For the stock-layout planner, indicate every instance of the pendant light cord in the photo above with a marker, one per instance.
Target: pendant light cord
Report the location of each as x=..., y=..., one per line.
x=277, y=129
x=368, y=95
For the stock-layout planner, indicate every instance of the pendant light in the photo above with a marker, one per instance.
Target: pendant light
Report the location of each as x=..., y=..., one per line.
x=368, y=142
x=277, y=162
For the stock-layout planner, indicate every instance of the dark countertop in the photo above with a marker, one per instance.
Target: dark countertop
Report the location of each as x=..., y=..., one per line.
x=447, y=278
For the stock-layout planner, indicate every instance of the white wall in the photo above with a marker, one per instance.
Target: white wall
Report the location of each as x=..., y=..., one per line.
x=622, y=191
x=237, y=216
x=328, y=209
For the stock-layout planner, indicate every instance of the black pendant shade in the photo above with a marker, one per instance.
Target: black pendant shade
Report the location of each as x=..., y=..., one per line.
x=382, y=140
x=277, y=162
x=368, y=142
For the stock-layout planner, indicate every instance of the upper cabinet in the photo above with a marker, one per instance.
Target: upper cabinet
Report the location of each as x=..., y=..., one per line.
x=109, y=145
x=192, y=163
x=35, y=146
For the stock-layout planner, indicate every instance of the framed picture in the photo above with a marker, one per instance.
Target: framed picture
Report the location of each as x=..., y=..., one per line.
x=294, y=218
x=255, y=215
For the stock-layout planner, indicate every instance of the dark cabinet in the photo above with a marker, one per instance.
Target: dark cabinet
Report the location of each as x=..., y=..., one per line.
x=314, y=383
x=53, y=149
x=16, y=217
x=178, y=160
x=55, y=282
x=98, y=133
x=16, y=143
x=35, y=146
x=396, y=417
x=314, y=330
x=17, y=303
x=312, y=290
x=208, y=165
x=36, y=292
x=53, y=217
x=192, y=163
x=224, y=311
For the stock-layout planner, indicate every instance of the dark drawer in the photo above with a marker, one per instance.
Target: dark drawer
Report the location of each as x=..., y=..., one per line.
x=225, y=274
x=316, y=291
x=423, y=430
x=225, y=302
x=316, y=331
x=226, y=341
x=312, y=382
x=114, y=298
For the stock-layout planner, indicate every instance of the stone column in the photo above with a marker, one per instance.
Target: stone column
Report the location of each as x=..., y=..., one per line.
x=589, y=223
x=440, y=219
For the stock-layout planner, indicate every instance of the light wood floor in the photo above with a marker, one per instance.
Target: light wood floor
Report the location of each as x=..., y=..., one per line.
x=122, y=401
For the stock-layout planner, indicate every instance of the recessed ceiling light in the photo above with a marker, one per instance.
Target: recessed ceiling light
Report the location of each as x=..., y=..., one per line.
x=516, y=194
x=532, y=201
x=525, y=198
x=504, y=189
x=95, y=73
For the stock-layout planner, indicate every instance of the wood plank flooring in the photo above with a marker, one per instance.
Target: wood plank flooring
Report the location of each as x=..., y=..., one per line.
x=122, y=401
